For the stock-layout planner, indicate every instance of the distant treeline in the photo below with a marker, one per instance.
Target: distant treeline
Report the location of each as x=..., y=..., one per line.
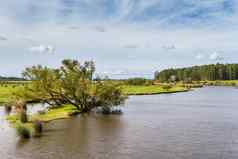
x=11, y=79
x=200, y=73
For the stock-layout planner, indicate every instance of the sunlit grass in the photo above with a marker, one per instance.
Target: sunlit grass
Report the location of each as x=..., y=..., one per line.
x=152, y=89
x=62, y=112
x=56, y=113
x=7, y=92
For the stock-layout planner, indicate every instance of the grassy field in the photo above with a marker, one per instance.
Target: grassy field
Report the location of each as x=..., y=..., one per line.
x=6, y=92
x=152, y=89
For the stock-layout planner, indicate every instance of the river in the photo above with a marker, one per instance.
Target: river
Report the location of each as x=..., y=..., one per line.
x=200, y=124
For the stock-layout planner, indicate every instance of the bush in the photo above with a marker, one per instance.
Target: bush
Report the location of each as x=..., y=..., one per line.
x=233, y=84
x=8, y=108
x=167, y=87
x=23, y=116
x=106, y=110
x=136, y=81
x=23, y=131
x=41, y=112
x=38, y=128
x=117, y=112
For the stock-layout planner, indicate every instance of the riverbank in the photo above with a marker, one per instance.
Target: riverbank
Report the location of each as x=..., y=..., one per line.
x=221, y=83
x=7, y=90
x=152, y=89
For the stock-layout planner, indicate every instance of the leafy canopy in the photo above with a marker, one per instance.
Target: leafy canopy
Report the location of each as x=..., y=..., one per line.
x=72, y=83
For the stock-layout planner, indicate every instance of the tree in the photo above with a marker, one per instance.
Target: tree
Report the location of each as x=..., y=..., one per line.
x=136, y=81
x=71, y=84
x=196, y=73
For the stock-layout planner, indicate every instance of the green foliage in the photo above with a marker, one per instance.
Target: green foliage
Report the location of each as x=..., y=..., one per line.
x=38, y=128
x=106, y=110
x=167, y=87
x=197, y=73
x=23, y=131
x=60, y=112
x=70, y=84
x=136, y=81
x=23, y=116
x=8, y=108
x=7, y=92
x=13, y=119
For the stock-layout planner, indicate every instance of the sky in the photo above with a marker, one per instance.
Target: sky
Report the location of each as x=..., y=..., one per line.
x=125, y=38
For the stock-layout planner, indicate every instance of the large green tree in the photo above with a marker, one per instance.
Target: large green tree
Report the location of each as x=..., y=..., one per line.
x=73, y=84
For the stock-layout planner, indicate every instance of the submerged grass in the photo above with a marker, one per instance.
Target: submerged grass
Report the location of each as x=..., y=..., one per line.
x=62, y=112
x=55, y=113
x=23, y=131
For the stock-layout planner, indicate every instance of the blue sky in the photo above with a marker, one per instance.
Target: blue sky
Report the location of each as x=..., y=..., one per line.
x=124, y=37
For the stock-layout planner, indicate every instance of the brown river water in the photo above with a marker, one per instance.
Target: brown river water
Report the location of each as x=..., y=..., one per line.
x=201, y=124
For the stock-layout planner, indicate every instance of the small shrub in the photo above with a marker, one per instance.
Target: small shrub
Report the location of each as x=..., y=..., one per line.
x=106, y=110
x=167, y=87
x=41, y=112
x=8, y=108
x=38, y=128
x=23, y=131
x=23, y=116
x=117, y=111
x=233, y=84
x=136, y=81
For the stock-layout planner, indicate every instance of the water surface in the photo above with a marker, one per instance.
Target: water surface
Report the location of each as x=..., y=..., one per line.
x=202, y=124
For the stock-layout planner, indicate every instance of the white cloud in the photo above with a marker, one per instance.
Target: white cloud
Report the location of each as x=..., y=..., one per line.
x=78, y=32
x=169, y=47
x=215, y=56
x=199, y=56
x=131, y=46
x=42, y=49
x=100, y=29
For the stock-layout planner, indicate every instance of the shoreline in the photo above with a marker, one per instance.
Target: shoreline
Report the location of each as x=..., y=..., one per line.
x=158, y=93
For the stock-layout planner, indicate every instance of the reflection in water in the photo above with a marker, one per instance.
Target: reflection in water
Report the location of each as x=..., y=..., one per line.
x=199, y=124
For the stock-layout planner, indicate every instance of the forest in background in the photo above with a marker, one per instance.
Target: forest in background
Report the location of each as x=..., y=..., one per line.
x=210, y=72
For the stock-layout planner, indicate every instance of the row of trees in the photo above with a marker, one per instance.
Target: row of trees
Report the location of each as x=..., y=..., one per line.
x=197, y=73
x=72, y=83
x=137, y=81
x=11, y=79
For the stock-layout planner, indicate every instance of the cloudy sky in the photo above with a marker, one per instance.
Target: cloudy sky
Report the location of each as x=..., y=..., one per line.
x=124, y=37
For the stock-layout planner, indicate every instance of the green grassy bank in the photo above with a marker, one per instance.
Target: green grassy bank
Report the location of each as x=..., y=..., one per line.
x=221, y=83
x=151, y=89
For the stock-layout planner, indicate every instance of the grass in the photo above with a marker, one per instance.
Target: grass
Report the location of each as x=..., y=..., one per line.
x=152, y=89
x=55, y=113
x=6, y=92
x=223, y=82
